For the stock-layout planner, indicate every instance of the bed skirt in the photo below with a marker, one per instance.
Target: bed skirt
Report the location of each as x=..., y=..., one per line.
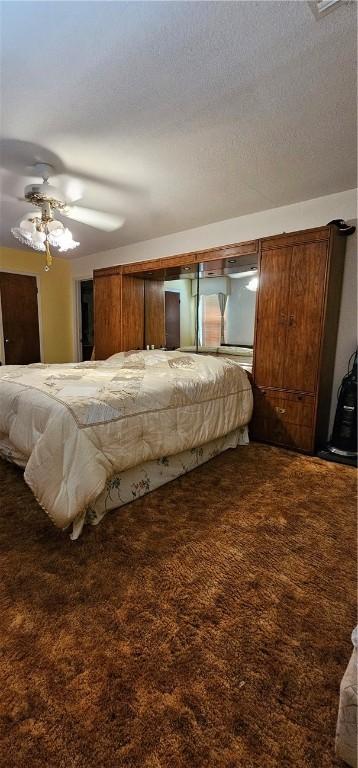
x=136, y=482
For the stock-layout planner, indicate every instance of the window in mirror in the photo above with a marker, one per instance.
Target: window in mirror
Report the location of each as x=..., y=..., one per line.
x=226, y=295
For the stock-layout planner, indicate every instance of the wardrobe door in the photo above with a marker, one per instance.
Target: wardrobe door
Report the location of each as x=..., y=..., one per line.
x=107, y=315
x=305, y=316
x=132, y=313
x=271, y=319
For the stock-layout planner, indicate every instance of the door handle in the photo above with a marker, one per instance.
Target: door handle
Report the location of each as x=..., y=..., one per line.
x=280, y=410
x=291, y=320
x=7, y=341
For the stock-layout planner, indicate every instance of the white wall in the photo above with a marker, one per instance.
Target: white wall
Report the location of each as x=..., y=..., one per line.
x=288, y=218
x=310, y=213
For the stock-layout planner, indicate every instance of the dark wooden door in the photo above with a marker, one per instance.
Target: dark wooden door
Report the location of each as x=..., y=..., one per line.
x=271, y=321
x=305, y=316
x=172, y=320
x=20, y=318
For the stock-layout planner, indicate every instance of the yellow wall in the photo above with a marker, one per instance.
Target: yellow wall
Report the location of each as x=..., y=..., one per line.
x=55, y=300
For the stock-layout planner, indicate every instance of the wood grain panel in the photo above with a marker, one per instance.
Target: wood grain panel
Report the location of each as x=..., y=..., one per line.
x=154, y=313
x=288, y=435
x=106, y=271
x=142, y=266
x=290, y=407
x=132, y=313
x=305, y=316
x=107, y=315
x=229, y=251
x=192, y=257
x=283, y=418
x=20, y=318
x=271, y=317
x=295, y=238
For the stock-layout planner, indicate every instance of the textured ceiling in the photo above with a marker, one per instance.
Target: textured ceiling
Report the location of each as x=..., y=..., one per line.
x=177, y=114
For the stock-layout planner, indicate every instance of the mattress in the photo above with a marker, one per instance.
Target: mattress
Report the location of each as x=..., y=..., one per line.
x=127, y=486
x=75, y=426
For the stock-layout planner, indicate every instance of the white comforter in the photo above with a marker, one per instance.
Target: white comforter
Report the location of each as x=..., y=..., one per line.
x=73, y=426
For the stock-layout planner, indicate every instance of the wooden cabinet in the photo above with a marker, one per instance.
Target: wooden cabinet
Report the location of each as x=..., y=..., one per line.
x=284, y=418
x=119, y=313
x=300, y=281
x=132, y=313
x=271, y=318
x=296, y=328
x=108, y=314
x=305, y=315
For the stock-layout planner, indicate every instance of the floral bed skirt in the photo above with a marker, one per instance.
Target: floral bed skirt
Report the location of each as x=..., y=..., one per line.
x=134, y=483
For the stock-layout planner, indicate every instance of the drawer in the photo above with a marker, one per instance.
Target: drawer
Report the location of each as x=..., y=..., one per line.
x=283, y=418
x=288, y=435
x=286, y=407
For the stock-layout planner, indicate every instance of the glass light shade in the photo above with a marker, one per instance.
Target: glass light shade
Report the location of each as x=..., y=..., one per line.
x=55, y=227
x=38, y=237
x=66, y=242
x=27, y=226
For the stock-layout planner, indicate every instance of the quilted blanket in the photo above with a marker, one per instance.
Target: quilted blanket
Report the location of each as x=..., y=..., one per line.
x=74, y=425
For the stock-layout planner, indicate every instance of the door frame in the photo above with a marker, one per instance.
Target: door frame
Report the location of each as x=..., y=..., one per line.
x=39, y=311
x=77, y=325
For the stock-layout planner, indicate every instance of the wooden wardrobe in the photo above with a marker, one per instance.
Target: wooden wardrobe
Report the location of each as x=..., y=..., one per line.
x=129, y=312
x=297, y=312
x=297, y=317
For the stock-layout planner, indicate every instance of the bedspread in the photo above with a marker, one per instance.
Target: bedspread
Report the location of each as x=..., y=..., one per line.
x=78, y=424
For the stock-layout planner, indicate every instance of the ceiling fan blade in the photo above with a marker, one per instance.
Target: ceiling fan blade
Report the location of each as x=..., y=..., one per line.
x=71, y=187
x=107, y=222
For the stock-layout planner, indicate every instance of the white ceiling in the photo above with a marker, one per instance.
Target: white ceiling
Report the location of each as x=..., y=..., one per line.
x=185, y=113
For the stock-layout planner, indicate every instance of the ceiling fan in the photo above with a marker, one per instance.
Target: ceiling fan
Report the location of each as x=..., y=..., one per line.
x=41, y=229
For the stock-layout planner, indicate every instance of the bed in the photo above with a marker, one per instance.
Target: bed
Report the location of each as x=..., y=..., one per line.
x=94, y=435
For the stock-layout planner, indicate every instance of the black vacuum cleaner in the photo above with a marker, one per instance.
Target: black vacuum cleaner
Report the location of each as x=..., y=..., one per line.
x=342, y=446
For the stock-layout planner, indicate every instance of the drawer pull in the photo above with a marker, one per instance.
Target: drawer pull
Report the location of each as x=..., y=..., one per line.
x=280, y=410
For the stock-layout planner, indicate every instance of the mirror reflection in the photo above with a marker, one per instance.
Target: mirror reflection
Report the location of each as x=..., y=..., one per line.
x=212, y=308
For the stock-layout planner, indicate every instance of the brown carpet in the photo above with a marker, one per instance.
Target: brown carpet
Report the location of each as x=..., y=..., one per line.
x=206, y=625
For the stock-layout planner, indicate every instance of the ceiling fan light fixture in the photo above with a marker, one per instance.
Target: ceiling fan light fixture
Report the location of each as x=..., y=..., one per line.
x=38, y=236
x=26, y=238
x=65, y=241
x=55, y=227
x=27, y=226
x=40, y=230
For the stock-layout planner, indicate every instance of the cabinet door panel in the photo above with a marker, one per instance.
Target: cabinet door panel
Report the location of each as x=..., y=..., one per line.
x=107, y=315
x=305, y=311
x=132, y=313
x=271, y=324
